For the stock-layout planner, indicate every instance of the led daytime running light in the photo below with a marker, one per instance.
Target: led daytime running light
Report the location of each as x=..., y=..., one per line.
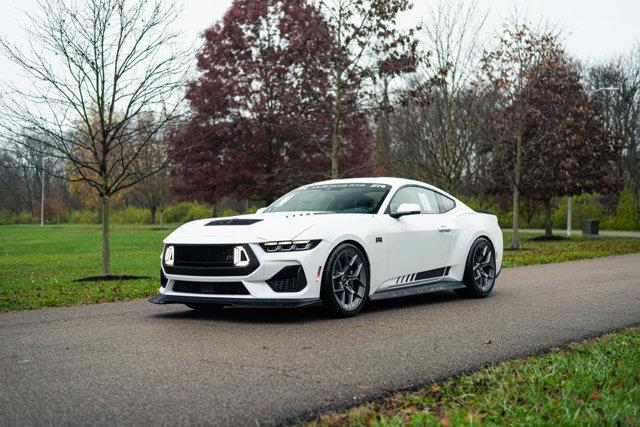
x=289, y=245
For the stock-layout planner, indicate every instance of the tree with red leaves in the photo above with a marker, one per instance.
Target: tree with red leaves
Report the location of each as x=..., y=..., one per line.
x=259, y=121
x=566, y=147
x=570, y=150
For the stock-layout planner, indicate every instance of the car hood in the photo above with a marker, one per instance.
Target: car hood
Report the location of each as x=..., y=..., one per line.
x=251, y=228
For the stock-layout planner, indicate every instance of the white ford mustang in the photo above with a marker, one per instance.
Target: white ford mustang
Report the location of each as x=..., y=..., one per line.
x=337, y=243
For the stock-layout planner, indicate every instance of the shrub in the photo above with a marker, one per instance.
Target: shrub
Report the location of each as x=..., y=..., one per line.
x=130, y=215
x=186, y=211
x=84, y=217
x=626, y=217
x=7, y=217
x=26, y=217
x=584, y=206
x=228, y=212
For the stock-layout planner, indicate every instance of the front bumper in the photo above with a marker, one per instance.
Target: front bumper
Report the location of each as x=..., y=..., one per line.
x=259, y=285
x=236, y=302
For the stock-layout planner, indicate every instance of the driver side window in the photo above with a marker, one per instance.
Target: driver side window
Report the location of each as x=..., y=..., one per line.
x=422, y=197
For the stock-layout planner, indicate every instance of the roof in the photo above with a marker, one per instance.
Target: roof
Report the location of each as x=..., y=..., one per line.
x=396, y=182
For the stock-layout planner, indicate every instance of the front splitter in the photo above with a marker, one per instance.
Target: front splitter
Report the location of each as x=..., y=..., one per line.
x=236, y=302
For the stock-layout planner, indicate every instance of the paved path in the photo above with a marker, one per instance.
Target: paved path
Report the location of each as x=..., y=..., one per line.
x=579, y=232
x=136, y=363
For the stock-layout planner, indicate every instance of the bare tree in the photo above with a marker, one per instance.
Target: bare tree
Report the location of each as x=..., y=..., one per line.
x=368, y=45
x=436, y=130
x=615, y=85
x=95, y=67
x=506, y=70
x=154, y=192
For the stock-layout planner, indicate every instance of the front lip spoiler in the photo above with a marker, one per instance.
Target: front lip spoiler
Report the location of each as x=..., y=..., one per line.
x=236, y=302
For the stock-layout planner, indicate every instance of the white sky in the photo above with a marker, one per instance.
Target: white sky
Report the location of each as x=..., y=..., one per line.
x=594, y=29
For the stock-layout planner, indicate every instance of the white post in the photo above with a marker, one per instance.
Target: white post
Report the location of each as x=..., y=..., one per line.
x=569, y=207
x=42, y=195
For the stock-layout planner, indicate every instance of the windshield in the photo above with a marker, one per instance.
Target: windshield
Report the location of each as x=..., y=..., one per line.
x=335, y=198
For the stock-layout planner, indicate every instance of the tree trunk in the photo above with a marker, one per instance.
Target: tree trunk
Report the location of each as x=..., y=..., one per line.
x=106, y=255
x=384, y=147
x=153, y=214
x=547, y=218
x=335, y=149
x=335, y=132
x=515, y=238
x=517, y=173
x=161, y=218
x=42, y=196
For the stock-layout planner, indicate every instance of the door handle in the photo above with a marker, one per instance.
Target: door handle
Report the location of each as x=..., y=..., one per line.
x=444, y=229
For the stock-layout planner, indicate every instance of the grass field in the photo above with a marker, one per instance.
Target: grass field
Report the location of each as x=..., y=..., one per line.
x=591, y=383
x=38, y=266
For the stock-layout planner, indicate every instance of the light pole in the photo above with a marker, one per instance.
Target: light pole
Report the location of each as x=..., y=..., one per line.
x=569, y=199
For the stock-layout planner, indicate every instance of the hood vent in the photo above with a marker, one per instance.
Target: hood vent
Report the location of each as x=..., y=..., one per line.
x=233, y=221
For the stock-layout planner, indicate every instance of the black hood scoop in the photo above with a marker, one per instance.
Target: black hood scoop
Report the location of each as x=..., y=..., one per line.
x=233, y=221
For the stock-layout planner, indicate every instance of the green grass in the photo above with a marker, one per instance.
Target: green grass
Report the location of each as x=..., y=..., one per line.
x=575, y=248
x=38, y=266
x=591, y=383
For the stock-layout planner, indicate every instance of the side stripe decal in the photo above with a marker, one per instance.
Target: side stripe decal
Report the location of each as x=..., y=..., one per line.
x=429, y=274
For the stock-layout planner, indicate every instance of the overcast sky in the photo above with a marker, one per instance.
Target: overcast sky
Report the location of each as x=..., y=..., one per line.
x=594, y=29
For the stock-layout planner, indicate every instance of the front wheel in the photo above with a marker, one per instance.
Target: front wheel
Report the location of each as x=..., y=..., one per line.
x=480, y=270
x=345, y=282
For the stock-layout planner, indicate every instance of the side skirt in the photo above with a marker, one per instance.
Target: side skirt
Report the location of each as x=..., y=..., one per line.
x=424, y=288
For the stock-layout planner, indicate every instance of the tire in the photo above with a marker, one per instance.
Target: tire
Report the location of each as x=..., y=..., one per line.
x=345, y=282
x=204, y=307
x=480, y=270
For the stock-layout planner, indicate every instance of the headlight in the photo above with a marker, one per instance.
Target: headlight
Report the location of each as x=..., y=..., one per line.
x=168, y=255
x=289, y=245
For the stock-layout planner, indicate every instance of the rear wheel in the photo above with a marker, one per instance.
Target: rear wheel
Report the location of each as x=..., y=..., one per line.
x=480, y=270
x=345, y=283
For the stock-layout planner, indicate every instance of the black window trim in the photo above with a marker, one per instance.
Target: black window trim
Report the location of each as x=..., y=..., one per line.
x=387, y=210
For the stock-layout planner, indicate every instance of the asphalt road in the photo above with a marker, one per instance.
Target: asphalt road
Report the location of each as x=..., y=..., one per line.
x=136, y=363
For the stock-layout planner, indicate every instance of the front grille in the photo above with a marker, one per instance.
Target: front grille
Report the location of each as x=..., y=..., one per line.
x=210, y=288
x=211, y=260
x=289, y=279
x=203, y=255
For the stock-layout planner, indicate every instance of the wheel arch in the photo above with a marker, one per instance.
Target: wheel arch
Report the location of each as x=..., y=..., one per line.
x=360, y=248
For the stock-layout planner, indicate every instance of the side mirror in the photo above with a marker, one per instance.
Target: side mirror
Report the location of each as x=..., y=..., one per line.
x=406, y=209
x=259, y=211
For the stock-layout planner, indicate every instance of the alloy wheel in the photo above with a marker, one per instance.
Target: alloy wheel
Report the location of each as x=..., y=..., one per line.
x=484, y=266
x=349, y=278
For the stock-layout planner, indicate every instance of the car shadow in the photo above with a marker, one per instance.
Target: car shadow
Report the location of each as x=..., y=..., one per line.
x=302, y=315
x=248, y=315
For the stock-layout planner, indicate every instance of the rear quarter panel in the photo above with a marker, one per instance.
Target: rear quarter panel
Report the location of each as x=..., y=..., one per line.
x=472, y=225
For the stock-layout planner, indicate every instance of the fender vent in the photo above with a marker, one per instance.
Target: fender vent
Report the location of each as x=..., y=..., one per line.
x=289, y=279
x=233, y=221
